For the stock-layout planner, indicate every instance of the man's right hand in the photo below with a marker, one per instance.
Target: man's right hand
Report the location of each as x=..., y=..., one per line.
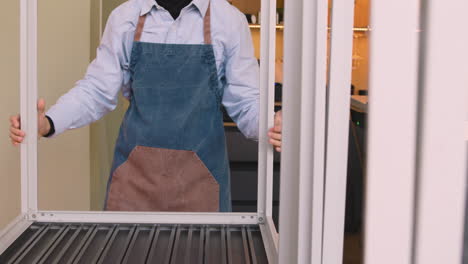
x=17, y=135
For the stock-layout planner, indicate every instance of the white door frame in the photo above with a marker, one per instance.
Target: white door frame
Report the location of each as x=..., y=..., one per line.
x=391, y=154
x=29, y=192
x=28, y=104
x=338, y=117
x=305, y=163
x=28, y=72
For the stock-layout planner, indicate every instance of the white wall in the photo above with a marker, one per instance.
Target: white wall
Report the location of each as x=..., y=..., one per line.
x=64, y=50
x=9, y=104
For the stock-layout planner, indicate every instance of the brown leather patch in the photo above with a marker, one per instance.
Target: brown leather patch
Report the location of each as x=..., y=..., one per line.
x=156, y=179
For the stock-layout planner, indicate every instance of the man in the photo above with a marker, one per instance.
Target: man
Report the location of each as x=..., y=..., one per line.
x=176, y=61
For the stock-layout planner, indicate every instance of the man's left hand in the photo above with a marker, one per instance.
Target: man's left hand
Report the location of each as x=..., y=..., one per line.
x=275, y=132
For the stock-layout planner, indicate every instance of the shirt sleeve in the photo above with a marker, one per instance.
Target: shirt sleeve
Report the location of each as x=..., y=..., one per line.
x=241, y=96
x=97, y=93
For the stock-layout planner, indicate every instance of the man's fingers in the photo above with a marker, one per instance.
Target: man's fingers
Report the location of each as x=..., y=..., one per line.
x=15, y=121
x=276, y=136
x=16, y=135
x=275, y=132
x=275, y=143
x=17, y=132
x=278, y=121
x=276, y=129
x=41, y=106
x=16, y=138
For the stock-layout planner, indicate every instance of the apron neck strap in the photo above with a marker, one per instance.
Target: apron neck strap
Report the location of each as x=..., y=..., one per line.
x=206, y=26
x=139, y=29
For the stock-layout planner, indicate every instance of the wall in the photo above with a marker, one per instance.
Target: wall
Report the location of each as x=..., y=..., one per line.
x=9, y=104
x=64, y=165
x=64, y=168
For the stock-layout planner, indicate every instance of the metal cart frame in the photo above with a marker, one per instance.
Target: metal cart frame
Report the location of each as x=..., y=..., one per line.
x=315, y=138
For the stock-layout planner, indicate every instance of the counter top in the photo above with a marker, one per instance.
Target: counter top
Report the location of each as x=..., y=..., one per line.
x=359, y=103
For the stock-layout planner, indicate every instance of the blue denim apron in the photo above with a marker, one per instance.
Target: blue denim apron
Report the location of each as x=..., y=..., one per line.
x=171, y=151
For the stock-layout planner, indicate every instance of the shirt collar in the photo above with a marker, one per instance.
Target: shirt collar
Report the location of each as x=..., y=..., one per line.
x=201, y=5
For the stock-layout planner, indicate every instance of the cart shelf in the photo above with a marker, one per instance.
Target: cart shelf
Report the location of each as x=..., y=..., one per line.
x=137, y=243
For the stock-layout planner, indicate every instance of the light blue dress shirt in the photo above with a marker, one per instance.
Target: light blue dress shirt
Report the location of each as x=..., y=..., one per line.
x=238, y=72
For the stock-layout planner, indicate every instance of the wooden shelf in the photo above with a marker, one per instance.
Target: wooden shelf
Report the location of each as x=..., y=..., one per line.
x=257, y=26
x=230, y=124
x=359, y=103
x=361, y=29
x=281, y=27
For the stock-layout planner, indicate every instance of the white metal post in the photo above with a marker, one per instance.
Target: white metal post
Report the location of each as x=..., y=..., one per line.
x=28, y=112
x=304, y=107
x=267, y=97
x=415, y=205
x=466, y=130
x=441, y=172
x=147, y=217
x=265, y=155
x=28, y=86
x=341, y=46
x=391, y=131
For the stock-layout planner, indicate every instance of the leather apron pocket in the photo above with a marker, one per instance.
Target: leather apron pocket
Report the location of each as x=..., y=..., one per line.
x=157, y=179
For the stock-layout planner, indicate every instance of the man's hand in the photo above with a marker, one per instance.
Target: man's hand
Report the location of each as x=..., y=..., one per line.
x=275, y=132
x=17, y=135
